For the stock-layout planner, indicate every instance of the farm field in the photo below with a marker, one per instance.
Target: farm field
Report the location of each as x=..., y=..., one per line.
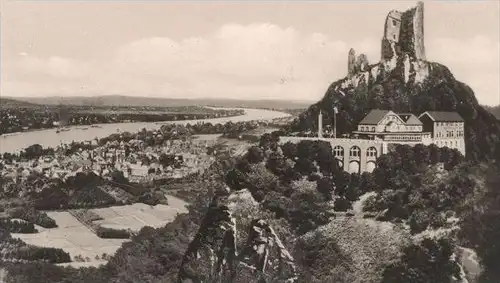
x=138, y=215
x=79, y=241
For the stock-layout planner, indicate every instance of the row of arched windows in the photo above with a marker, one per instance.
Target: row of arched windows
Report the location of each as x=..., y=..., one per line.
x=354, y=151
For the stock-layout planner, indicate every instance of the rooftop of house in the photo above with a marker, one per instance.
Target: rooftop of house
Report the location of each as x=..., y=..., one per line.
x=442, y=116
x=410, y=119
x=375, y=115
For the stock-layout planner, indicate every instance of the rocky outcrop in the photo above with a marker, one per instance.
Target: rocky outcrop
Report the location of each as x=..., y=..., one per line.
x=351, y=62
x=402, y=50
x=220, y=253
x=356, y=64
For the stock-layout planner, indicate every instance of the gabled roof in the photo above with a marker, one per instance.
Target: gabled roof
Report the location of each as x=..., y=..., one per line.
x=441, y=116
x=409, y=119
x=374, y=116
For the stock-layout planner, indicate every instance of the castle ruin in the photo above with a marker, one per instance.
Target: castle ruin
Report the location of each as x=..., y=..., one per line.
x=404, y=34
x=403, y=38
x=356, y=63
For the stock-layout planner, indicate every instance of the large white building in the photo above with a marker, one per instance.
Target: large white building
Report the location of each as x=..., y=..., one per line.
x=380, y=128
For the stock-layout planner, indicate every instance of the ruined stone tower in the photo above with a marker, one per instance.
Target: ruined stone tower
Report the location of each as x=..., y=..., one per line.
x=404, y=34
x=356, y=63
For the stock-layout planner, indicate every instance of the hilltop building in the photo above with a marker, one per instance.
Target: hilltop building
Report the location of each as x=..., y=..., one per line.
x=447, y=129
x=381, y=128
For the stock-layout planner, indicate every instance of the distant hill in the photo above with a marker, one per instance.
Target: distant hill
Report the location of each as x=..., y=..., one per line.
x=10, y=103
x=121, y=100
x=495, y=110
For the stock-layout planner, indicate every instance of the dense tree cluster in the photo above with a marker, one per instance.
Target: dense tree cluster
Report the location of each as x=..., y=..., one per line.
x=480, y=229
x=295, y=181
x=16, y=226
x=15, y=249
x=34, y=216
x=110, y=233
x=428, y=261
x=411, y=186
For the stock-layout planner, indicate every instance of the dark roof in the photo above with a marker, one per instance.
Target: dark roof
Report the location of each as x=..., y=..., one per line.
x=409, y=119
x=440, y=116
x=374, y=117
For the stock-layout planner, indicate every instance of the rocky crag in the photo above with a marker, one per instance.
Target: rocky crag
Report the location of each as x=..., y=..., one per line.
x=404, y=81
x=235, y=244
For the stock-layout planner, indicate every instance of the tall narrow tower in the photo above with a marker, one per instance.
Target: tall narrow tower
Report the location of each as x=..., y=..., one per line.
x=320, y=124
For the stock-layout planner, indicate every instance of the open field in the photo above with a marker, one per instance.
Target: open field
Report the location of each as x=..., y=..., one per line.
x=78, y=240
x=138, y=215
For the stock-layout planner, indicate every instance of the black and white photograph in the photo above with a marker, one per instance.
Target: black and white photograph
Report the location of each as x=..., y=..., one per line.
x=165, y=141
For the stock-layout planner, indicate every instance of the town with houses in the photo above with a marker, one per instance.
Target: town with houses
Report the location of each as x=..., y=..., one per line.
x=134, y=159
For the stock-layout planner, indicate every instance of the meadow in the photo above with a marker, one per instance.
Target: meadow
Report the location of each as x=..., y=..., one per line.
x=84, y=246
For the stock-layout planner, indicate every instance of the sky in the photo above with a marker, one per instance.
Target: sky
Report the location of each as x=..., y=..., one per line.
x=242, y=50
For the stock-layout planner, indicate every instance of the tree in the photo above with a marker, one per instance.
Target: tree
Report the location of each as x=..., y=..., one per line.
x=481, y=225
x=342, y=204
x=429, y=261
x=255, y=155
x=33, y=151
x=289, y=150
x=325, y=188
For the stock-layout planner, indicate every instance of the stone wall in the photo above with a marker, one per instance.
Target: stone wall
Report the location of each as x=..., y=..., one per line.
x=392, y=26
x=342, y=148
x=418, y=27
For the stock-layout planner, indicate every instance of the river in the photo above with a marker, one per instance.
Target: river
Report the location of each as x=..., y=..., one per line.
x=17, y=141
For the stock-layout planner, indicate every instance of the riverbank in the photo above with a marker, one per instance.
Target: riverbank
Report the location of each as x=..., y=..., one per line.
x=49, y=138
x=72, y=127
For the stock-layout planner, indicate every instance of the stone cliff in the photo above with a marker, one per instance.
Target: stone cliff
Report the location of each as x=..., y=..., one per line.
x=356, y=64
x=234, y=244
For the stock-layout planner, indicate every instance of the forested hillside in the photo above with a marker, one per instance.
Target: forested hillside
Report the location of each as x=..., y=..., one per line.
x=401, y=223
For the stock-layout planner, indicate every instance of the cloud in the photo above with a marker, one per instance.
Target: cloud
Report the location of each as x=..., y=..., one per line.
x=252, y=58
x=54, y=66
x=474, y=61
x=252, y=61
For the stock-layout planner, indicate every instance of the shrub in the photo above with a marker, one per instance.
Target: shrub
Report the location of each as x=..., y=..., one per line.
x=342, y=204
x=109, y=233
x=51, y=255
x=34, y=216
x=14, y=226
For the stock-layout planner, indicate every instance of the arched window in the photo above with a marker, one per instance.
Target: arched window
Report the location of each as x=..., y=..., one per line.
x=354, y=167
x=371, y=152
x=370, y=166
x=354, y=151
x=338, y=151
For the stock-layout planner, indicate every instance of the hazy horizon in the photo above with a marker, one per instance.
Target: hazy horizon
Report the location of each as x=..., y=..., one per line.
x=242, y=50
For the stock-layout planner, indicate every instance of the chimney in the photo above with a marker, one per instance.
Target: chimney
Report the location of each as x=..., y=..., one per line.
x=320, y=124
